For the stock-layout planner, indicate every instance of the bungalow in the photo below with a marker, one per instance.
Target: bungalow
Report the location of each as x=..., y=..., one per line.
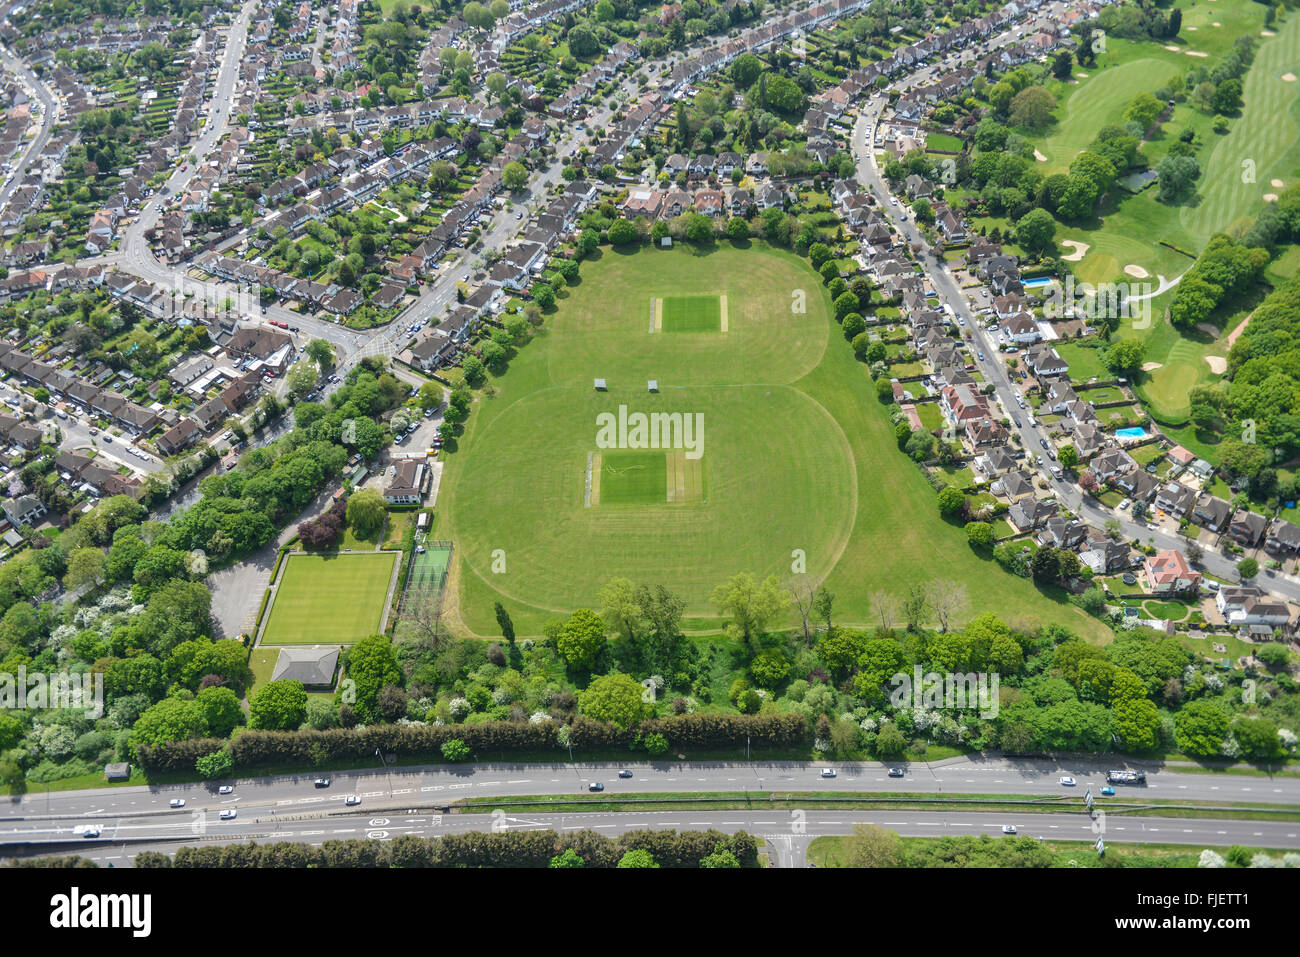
x=1169, y=574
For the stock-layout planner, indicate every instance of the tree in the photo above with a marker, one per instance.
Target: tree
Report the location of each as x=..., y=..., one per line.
x=581, y=639
x=617, y=698
x=622, y=232
x=1036, y=229
x=872, y=846
x=301, y=378
x=637, y=857
x=278, y=706
x=1032, y=107
x=366, y=512
x=321, y=352
x=514, y=175
x=750, y=605
x=1247, y=568
x=504, y=623
x=979, y=534
x=430, y=396
x=1126, y=355
x=218, y=764
x=951, y=500
x=86, y=568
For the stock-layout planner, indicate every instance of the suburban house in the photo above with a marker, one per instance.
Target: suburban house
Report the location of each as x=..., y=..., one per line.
x=1169, y=574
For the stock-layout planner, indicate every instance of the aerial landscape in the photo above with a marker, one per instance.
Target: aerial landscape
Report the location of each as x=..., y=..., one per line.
x=711, y=434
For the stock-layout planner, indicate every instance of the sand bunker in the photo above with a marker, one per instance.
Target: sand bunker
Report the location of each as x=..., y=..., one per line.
x=1218, y=364
x=1288, y=77
x=1270, y=197
x=1137, y=272
x=1040, y=157
x=1151, y=366
x=1080, y=249
x=1196, y=53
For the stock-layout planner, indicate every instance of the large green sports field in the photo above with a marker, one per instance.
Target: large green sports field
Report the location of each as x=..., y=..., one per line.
x=795, y=454
x=329, y=599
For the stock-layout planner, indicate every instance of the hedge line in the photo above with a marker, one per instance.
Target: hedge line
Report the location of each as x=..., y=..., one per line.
x=252, y=748
x=473, y=849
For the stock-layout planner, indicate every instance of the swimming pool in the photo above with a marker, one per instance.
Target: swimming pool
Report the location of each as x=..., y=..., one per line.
x=1133, y=433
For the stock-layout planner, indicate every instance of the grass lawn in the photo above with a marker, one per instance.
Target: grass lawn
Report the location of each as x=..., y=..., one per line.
x=327, y=599
x=799, y=453
x=691, y=314
x=1085, y=363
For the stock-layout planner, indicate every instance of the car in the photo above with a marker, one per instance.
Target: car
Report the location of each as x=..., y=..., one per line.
x=177, y=802
x=1108, y=790
x=229, y=814
x=625, y=773
x=322, y=782
x=595, y=786
x=226, y=789
x=352, y=800
x=1067, y=782
x=828, y=772
x=896, y=772
x=1008, y=829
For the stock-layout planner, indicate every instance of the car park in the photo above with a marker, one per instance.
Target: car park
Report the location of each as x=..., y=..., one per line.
x=229, y=814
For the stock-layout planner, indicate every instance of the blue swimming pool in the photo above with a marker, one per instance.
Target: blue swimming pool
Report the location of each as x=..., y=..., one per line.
x=1133, y=433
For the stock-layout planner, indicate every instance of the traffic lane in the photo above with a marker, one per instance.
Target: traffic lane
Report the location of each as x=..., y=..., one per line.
x=433, y=784
x=773, y=825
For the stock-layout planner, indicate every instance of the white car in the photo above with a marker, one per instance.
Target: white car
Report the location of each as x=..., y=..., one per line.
x=1067, y=782
x=177, y=802
x=229, y=814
